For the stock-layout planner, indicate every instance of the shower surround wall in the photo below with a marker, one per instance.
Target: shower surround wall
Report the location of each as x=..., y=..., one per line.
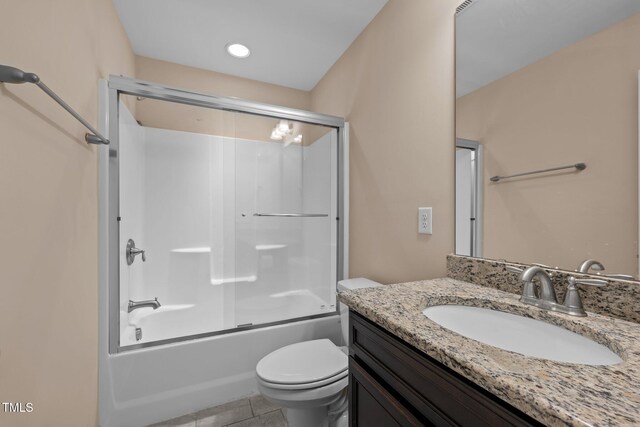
x=188, y=199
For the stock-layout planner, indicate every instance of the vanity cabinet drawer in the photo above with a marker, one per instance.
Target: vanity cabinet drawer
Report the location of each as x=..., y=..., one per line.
x=436, y=394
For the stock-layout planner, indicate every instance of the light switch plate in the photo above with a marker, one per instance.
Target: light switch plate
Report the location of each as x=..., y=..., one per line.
x=425, y=221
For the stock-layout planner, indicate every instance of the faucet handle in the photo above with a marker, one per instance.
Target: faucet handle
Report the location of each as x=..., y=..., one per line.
x=131, y=252
x=618, y=276
x=572, y=300
x=513, y=269
x=590, y=282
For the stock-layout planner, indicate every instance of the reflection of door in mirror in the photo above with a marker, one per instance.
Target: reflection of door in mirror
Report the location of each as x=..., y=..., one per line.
x=468, y=197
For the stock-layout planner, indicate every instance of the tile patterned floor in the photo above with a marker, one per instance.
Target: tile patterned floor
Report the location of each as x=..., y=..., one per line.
x=254, y=411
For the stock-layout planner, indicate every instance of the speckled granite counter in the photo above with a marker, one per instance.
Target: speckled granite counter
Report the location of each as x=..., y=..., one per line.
x=551, y=392
x=617, y=299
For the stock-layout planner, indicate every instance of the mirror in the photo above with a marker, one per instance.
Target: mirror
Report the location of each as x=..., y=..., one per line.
x=543, y=85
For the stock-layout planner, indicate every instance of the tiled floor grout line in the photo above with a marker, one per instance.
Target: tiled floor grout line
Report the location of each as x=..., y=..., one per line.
x=253, y=412
x=259, y=411
x=254, y=416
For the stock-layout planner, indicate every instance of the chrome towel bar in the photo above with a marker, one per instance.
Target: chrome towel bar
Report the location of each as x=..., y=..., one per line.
x=291, y=215
x=577, y=166
x=15, y=75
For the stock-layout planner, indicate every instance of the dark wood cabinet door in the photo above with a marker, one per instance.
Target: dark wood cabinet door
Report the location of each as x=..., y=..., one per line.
x=372, y=405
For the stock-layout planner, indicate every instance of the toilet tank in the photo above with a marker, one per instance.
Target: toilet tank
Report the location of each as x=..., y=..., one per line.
x=348, y=285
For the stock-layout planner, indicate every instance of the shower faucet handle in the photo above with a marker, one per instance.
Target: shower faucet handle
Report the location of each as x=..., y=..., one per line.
x=136, y=251
x=131, y=252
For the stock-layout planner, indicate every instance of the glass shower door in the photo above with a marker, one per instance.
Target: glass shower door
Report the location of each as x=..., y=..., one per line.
x=285, y=224
x=238, y=222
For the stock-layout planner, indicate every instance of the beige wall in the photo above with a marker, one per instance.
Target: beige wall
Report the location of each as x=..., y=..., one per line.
x=48, y=207
x=577, y=105
x=213, y=83
x=201, y=120
x=395, y=85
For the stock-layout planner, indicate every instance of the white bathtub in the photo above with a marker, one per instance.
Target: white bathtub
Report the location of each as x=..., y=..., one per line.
x=148, y=385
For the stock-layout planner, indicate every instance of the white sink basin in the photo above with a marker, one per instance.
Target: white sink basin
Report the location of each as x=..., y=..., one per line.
x=522, y=335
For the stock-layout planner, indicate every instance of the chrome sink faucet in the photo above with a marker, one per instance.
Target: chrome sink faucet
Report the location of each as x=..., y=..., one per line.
x=546, y=299
x=134, y=305
x=590, y=264
x=547, y=292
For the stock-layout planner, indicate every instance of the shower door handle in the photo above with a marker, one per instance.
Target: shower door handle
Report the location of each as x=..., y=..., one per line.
x=132, y=251
x=292, y=215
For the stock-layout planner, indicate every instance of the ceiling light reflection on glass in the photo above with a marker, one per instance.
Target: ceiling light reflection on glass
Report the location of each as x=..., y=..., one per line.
x=283, y=131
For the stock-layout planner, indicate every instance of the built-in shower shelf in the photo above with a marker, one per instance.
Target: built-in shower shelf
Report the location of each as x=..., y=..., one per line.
x=204, y=249
x=234, y=280
x=200, y=250
x=269, y=247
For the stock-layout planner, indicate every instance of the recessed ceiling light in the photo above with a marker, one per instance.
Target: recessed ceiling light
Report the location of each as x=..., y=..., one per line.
x=238, y=50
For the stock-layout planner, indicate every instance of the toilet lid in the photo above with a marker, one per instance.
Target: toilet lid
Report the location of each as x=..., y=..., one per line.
x=303, y=362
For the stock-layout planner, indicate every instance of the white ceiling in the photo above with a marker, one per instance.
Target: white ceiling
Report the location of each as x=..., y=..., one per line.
x=497, y=37
x=293, y=42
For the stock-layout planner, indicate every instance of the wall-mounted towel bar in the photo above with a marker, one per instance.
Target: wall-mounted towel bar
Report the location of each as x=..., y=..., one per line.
x=577, y=166
x=291, y=215
x=14, y=75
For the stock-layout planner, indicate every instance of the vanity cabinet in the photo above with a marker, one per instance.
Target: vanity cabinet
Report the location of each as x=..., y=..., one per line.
x=393, y=384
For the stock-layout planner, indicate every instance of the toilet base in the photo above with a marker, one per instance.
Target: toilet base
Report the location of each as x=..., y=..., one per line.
x=333, y=415
x=307, y=417
x=343, y=421
x=304, y=418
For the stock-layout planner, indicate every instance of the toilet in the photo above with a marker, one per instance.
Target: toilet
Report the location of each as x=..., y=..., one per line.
x=310, y=378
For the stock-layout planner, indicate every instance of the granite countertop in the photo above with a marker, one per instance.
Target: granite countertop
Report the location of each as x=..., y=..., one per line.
x=553, y=393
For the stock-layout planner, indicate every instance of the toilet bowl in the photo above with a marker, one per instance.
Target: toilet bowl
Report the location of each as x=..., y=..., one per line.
x=310, y=378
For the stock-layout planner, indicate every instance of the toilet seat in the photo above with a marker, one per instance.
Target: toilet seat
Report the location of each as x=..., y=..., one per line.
x=307, y=397
x=303, y=365
x=303, y=386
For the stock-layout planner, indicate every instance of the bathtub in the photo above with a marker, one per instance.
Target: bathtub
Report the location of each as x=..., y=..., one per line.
x=166, y=322
x=144, y=386
x=181, y=320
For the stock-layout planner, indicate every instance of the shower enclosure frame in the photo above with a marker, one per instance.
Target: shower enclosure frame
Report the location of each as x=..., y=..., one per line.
x=118, y=85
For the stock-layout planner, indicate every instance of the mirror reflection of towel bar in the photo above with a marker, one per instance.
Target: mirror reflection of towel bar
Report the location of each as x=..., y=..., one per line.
x=291, y=215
